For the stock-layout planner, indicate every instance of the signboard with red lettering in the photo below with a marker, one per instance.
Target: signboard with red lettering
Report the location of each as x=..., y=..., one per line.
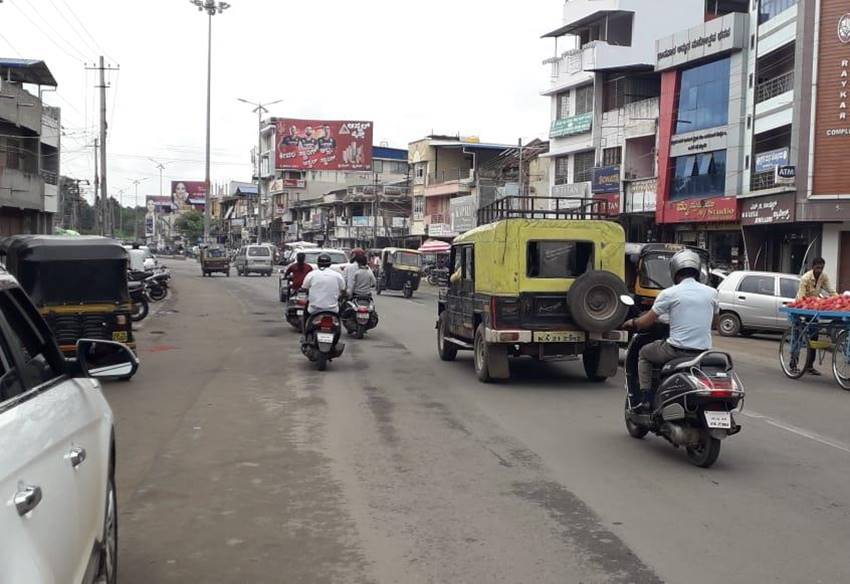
x=323, y=145
x=719, y=209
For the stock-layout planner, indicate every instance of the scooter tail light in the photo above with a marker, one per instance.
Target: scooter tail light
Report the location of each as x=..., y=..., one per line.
x=326, y=324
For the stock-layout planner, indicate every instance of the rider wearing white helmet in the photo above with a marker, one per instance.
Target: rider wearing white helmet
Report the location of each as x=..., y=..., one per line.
x=692, y=308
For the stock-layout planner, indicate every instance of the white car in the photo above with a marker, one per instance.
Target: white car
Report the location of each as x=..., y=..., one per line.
x=58, y=515
x=752, y=302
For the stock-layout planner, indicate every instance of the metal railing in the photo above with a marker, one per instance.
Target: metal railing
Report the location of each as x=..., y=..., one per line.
x=450, y=175
x=50, y=177
x=776, y=86
x=558, y=208
x=762, y=181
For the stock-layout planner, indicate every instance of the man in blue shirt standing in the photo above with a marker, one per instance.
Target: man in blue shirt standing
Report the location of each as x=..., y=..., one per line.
x=692, y=308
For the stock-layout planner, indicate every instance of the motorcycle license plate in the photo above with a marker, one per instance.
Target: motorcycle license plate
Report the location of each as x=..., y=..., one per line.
x=299, y=312
x=559, y=337
x=325, y=337
x=721, y=420
x=362, y=318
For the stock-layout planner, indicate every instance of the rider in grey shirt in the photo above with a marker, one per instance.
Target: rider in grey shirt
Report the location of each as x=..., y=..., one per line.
x=362, y=280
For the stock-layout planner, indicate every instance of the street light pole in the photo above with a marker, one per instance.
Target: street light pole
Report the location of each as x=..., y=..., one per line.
x=260, y=108
x=212, y=8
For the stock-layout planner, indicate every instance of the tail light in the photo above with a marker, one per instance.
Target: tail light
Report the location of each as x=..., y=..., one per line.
x=504, y=311
x=327, y=324
x=720, y=387
x=362, y=309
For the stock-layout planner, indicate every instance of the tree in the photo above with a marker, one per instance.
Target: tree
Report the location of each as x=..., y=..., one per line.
x=190, y=225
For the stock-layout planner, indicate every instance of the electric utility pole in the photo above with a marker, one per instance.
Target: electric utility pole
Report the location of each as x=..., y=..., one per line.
x=260, y=109
x=107, y=228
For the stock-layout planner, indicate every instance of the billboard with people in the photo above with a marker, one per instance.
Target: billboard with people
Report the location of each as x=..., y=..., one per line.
x=188, y=194
x=323, y=145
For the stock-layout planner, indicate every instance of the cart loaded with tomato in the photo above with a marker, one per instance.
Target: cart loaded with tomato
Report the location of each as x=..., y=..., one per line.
x=821, y=325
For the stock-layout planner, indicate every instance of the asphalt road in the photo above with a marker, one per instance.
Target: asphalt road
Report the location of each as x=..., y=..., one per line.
x=238, y=462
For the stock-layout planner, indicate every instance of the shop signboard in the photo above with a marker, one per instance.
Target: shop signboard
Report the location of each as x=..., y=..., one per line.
x=463, y=211
x=605, y=179
x=361, y=221
x=641, y=196
x=399, y=222
x=718, y=36
x=717, y=209
x=613, y=200
x=785, y=175
x=440, y=230
x=570, y=126
x=768, y=210
x=767, y=161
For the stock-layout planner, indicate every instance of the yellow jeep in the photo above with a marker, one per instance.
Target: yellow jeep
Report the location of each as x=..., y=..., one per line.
x=544, y=284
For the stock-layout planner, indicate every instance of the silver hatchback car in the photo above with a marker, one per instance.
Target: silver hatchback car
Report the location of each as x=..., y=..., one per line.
x=751, y=302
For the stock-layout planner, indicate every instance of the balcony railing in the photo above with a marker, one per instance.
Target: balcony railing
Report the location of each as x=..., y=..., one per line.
x=451, y=175
x=50, y=177
x=776, y=86
x=762, y=181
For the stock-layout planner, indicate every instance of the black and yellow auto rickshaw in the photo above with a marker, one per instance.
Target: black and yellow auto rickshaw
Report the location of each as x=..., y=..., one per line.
x=400, y=269
x=214, y=259
x=648, y=270
x=79, y=285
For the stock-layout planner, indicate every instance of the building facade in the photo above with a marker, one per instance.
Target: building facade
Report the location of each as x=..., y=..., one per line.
x=29, y=149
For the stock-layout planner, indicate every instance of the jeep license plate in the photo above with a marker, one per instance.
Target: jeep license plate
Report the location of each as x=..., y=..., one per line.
x=559, y=337
x=119, y=336
x=721, y=420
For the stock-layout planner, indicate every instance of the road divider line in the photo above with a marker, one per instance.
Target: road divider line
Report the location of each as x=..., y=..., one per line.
x=799, y=431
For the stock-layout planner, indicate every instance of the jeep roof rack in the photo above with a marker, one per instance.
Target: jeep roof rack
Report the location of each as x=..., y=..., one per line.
x=556, y=208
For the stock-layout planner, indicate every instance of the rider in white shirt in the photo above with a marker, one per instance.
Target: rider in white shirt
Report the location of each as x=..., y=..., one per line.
x=324, y=287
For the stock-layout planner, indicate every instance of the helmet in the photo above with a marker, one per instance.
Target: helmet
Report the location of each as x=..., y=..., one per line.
x=357, y=252
x=323, y=261
x=683, y=260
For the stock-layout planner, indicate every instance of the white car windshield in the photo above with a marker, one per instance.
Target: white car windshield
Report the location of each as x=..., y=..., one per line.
x=337, y=257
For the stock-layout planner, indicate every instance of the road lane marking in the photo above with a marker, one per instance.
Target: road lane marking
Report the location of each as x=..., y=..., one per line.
x=799, y=431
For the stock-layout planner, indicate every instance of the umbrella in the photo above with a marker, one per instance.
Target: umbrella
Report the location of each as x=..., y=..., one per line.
x=435, y=246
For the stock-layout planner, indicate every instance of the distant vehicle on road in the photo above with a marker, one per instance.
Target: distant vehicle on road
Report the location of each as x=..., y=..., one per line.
x=339, y=262
x=750, y=302
x=254, y=259
x=214, y=260
x=541, y=284
x=59, y=519
x=79, y=285
x=400, y=270
x=648, y=270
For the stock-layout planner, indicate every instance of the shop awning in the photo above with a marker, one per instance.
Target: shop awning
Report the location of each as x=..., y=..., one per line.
x=434, y=246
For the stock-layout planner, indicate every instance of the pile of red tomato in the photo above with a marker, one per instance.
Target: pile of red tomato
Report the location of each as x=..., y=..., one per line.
x=831, y=304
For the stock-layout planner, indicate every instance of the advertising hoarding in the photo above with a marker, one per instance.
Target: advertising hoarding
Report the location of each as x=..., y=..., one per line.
x=605, y=179
x=188, y=194
x=323, y=145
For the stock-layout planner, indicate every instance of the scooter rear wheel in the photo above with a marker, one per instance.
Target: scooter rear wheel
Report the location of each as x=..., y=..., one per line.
x=635, y=431
x=321, y=361
x=706, y=453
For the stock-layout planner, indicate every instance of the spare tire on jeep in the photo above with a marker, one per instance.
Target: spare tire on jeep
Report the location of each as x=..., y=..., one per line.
x=594, y=301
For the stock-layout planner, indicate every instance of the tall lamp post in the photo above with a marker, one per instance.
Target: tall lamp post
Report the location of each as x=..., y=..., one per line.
x=260, y=109
x=211, y=7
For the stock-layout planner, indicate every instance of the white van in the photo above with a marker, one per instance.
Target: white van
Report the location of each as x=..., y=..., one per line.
x=255, y=258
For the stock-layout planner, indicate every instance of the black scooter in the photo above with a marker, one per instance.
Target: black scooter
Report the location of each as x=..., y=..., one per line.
x=321, y=344
x=694, y=402
x=139, y=298
x=359, y=315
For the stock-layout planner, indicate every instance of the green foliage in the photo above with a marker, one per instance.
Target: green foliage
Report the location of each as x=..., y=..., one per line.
x=190, y=225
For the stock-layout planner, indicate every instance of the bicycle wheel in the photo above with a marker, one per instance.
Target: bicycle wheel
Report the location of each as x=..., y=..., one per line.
x=789, y=359
x=841, y=360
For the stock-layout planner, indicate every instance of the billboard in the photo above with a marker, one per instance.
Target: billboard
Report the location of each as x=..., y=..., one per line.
x=156, y=204
x=323, y=145
x=188, y=194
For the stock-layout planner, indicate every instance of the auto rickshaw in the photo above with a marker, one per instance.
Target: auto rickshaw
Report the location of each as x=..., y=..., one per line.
x=214, y=259
x=400, y=270
x=648, y=270
x=79, y=285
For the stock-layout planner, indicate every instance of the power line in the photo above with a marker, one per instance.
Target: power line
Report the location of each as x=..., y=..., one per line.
x=89, y=46
x=11, y=46
x=74, y=14
x=78, y=57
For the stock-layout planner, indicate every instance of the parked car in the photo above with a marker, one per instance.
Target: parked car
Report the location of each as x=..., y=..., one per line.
x=751, y=301
x=254, y=259
x=59, y=519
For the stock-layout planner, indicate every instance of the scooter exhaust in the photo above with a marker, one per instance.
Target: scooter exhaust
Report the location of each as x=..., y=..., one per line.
x=680, y=435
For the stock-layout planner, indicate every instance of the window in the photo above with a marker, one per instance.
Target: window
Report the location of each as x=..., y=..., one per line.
x=259, y=252
x=788, y=287
x=378, y=166
x=31, y=337
x=764, y=285
x=10, y=381
x=582, y=166
x=559, y=259
x=563, y=105
x=704, y=97
x=418, y=208
x=468, y=264
x=562, y=170
x=584, y=100
x=772, y=8
x=612, y=156
x=702, y=175
x=420, y=171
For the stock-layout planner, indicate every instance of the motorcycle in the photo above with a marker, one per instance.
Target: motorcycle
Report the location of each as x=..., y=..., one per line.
x=359, y=315
x=321, y=344
x=296, y=307
x=694, y=400
x=156, y=283
x=138, y=296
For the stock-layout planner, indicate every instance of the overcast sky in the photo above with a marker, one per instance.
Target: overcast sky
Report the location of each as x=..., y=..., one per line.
x=449, y=66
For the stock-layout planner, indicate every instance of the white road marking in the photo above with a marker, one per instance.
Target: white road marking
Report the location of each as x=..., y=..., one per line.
x=799, y=431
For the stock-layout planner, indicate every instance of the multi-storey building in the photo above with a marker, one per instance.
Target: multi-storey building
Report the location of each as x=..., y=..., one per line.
x=605, y=101
x=29, y=149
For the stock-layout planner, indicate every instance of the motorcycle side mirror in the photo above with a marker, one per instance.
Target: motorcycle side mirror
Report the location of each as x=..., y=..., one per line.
x=627, y=300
